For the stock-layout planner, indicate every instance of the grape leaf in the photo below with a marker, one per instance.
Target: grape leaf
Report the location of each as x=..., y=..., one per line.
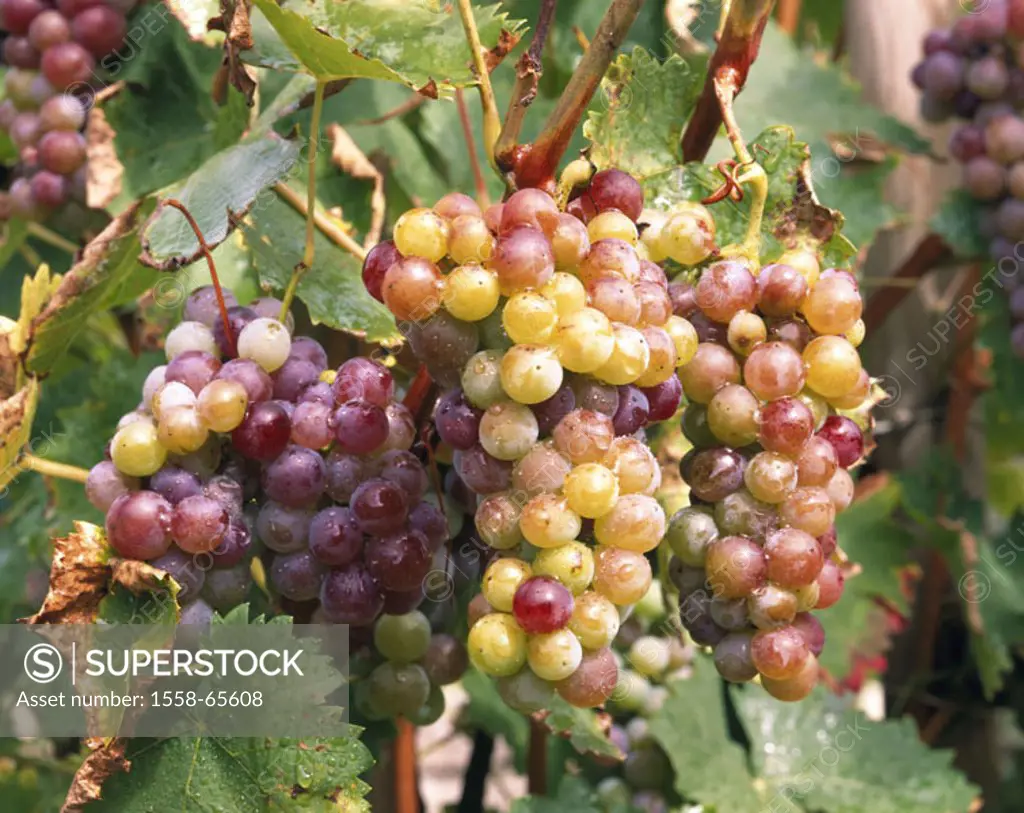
x=15, y=233
x=959, y=222
x=582, y=727
x=821, y=754
x=692, y=728
x=332, y=289
x=224, y=188
x=108, y=274
x=201, y=775
x=415, y=42
x=573, y=795
x=16, y=415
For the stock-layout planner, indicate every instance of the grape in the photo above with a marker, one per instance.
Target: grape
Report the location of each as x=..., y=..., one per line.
x=541, y=605
x=105, y=484
x=547, y=521
x=172, y=395
x=226, y=588
x=412, y=289
x=621, y=576
x=404, y=469
x=66, y=64
x=234, y=545
x=729, y=614
x=570, y=244
x=189, y=336
x=595, y=620
x=688, y=236
x=735, y=566
x=572, y=564
x=632, y=412
x=401, y=427
x=612, y=225
x=422, y=233
x=136, y=450
x=257, y=383
x=664, y=399
x=786, y=426
x=198, y=524
x=716, y=473
x=227, y=491
x=201, y=305
x=501, y=580
x=529, y=207
x=795, y=687
x=350, y=595
x=775, y=370
x=629, y=358
x=554, y=655
x=689, y=533
x=497, y=522
x=584, y=436
x=481, y=379
x=295, y=478
x=542, y=470
x=525, y=692
x=808, y=509
x=615, y=189
x=480, y=471
x=840, y=490
x=984, y=178
x=264, y=432
x=779, y=654
x=431, y=522
x=733, y=658
x=741, y=514
x=193, y=368
x=585, y=340
x=711, y=368
x=297, y=576
x=522, y=259
x=746, y=331
x=378, y=260
x=595, y=396
x=49, y=189
x=782, y=290
x=311, y=425
x=771, y=607
x=398, y=689
x=293, y=378
x=457, y=421
x=445, y=344
x=725, y=288
x=593, y=682
x=732, y=415
x=845, y=437
x=402, y=638
x=471, y=292
x=48, y=28
x=987, y=77
x=830, y=584
x=550, y=411
x=359, y=427
x=635, y=523
x=833, y=306
x=770, y=477
x=344, y=474
x=100, y=29
x=497, y=645
x=610, y=257
x=265, y=341
x=139, y=525
x=445, y=659
x=833, y=366
x=380, y=507
x=183, y=569
x=508, y=430
x=942, y=76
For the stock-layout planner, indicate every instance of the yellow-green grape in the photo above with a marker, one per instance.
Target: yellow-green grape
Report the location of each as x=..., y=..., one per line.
x=650, y=237
x=688, y=236
x=265, y=341
x=684, y=337
x=833, y=366
x=470, y=241
x=547, y=521
x=497, y=521
x=635, y=466
x=572, y=564
x=649, y=655
x=136, y=449
x=585, y=340
x=770, y=477
x=508, y=430
x=170, y=395
x=855, y=335
x=817, y=405
x=833, y=305
x=222, y=404
x=612, y=224
x=629, y=358
x=636, y=523
x=402, y=638
x=733, y=415
x=554, y=655
x=807, y=597
x=471, y=292
x=621, y=576
x=481, y=379
x=190, y=336
x=181, y=431
x=525, y=692
x=595, y=620
x=840, y=490
x=661, y=363
x=746, y=331
x=584, y=436
x=422, y=233
x=531, y=373
x=541, y=471
x=566, y=291
x=591, y=490
x=855, y=397
x=497, y=645
x=803, y=261
x=501, y=580
x=529, y=318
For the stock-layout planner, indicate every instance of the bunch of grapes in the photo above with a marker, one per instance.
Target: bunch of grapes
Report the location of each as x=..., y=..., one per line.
x=52, y=51
x=975, y=72
x=246, y=433
x=754, y=552
x=555, y=338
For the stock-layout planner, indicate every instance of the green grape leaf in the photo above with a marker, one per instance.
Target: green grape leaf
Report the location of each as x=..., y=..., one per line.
x=692, y=728
x=573, y=794
x=30, y=782
x=15, y=233
x=165, y=122
x=582, y=727
x=414, y=42
x=821, y=754
x=238, y=775
x=332, y=289
x=488, y=712
x=107, y=275
x=958, y=221
x=218, y=193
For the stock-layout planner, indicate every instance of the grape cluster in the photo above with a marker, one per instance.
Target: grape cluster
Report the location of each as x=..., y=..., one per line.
x=754, y=552
x=52, y=51
x=555, y=338
x=975, y=72
x=246, y=432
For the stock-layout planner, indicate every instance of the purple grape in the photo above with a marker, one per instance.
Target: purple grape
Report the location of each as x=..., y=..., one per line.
x=227, y=492
x=664, y=399
x=632, y=412
x=201, y=305
x=362, y=379
x=234, y=546
x=396, y=603
x=17, y=15
x=296, y=478
x=966, y=104
x=399, y=561
x=548, y=413
x=320, y=393
x=380, y=258
x=595, y=396
x=405, y=470
x=49, y=188
x=344, y=474
x=307, y=349
x=379, y=506
x=716, y=473
x=185, y=570
x=360, y=427
x=401, y=426
x=943, y=75
x=967, y=142
x=461, y=494
x=269, y=307
x=335, y=537
x=283, y=529
x=196, y=614
x=193, y=368
x=351, y=596
x=238, y=318
x=139, y=525
x=227, y=588
x=311, y=425
x=297, y=576
x=258, y=385
x=19, y=52
x=457, y=420
x=293, y=377
x=198, y=524
x=481, y=472
x=845, y=437
x=105, y=484
x=935, y=41
x=428, y=519
x=264, y=432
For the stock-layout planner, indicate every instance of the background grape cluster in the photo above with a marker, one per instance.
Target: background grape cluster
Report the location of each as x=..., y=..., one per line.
x=245, y=433
x=974, y=72
x=52, y=50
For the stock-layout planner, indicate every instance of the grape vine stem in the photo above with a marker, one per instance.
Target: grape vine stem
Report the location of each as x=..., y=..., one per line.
x=492, y=123
x=205, y=249
x=50, y=468
x=405, y=768
x=327, y=225
x=482, y=198
x=49, y=237
x=536, y=165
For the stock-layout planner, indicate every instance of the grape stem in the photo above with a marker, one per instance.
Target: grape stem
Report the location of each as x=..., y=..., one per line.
x=205, y=249
x=789, y=15
x=49, y=468
x=738, y=46
x=528, y=72
x=327, y=225
x=492, y=123
x=536, y=163
x=40, y=232
x=537, y=768
x=751, y=172
x=482, y=198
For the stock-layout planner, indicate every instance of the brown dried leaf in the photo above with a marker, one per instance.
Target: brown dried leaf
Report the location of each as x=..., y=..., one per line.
x=506, y=42
x=105, y=174
x=139, y=577
x=10, y=364
x=346, y=155
x=106, y=759
x=16, y=414
x=806, y=214
x=234, y=21
x=79, y=578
